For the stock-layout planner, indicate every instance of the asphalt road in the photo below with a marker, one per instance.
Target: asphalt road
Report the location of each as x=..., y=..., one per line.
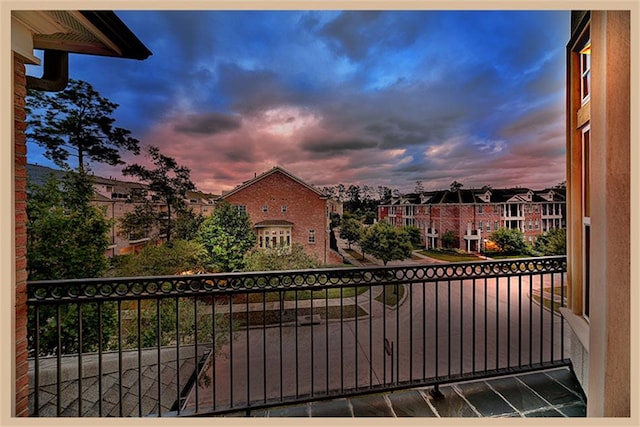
x=438, y=329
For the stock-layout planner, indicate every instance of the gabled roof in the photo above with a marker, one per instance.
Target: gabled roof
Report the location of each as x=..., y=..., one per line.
x=469, y=196
x=274, y=170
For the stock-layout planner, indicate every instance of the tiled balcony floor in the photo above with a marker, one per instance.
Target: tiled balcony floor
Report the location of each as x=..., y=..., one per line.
x=550, y=393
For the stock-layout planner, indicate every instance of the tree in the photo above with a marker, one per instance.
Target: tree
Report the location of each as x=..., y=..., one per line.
x=168, y=180
x=163, y=260
x=449, y=239
x=510, y=241
x=415, y=235
x=350, y=230
x=76, y=122
x=552, y=242
x=140, y=222
x=386, y=242
x=66, y=235
x=187, y=224
x=67, y=239
x=227, y=235
x=282, y=258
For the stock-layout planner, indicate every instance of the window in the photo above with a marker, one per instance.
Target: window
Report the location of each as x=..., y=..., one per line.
x=265, y=208
x=586, y=217
x=312, y=236
x=480, y=209
x=585, y=72
x=495, y=225
x=537, y=225
x=241, y=208
x=530, y=225
x=495, y=208
x=284, y=208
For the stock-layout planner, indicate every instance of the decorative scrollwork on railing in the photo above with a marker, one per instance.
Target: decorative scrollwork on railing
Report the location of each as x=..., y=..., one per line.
x=109, y=289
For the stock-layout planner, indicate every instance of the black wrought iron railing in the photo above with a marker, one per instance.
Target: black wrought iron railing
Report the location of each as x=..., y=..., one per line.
x=207, y=344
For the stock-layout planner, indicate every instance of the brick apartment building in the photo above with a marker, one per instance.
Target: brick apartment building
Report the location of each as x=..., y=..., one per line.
x=117, y=198
x=473, y=214
x=286, y=210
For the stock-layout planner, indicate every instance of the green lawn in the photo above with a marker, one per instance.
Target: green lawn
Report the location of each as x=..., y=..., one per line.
x=508, y=256
x=449, y=257
x=304, y=294
x=390, y=297
x=557, y=291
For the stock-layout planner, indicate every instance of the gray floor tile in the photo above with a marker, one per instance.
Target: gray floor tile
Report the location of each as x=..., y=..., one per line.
x=487, y=402
x=373, y=405
x=410, y=404
x=574, y=410
x=289, y=411
x=543, y=413
x=331, y=408
x=452, y=405
x=550, y=390
x=568, y=379
x=518, y=394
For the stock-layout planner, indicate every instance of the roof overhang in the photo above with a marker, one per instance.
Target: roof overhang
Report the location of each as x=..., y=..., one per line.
x=84, y=32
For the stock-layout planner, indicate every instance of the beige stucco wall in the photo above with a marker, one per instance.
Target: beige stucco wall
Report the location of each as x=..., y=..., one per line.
x=609, y=338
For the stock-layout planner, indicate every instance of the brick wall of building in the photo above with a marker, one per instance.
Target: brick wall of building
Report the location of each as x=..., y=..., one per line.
x=20, y=208
x=456, y=217
x=304, y=208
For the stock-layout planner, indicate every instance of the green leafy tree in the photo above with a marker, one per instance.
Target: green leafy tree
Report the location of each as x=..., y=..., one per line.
x=76, y=122
x=67, y=236
x=386, y=242
x=415, y=236
x=449, y=239
x=67, y=239
x=169, y=181
x=227, y=235
x=161, y=260
x=510, y=241
x=552, y=242
x=351, y=230
x=183, y=312
x=140, y=222
x=335, y=220
x=282, y=258
x=187, y=224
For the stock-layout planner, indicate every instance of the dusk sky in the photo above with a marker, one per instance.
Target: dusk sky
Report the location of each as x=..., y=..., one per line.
x=369, y=98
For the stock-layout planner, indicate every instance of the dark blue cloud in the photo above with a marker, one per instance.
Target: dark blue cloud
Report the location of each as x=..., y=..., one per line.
x=455, y=84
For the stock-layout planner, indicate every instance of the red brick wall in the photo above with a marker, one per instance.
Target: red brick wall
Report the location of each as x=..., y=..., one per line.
x=454, y=217
x=20, y=171
x=305, y=209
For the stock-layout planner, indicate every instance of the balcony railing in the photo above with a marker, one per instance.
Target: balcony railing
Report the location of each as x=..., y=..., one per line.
x=209, y=344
